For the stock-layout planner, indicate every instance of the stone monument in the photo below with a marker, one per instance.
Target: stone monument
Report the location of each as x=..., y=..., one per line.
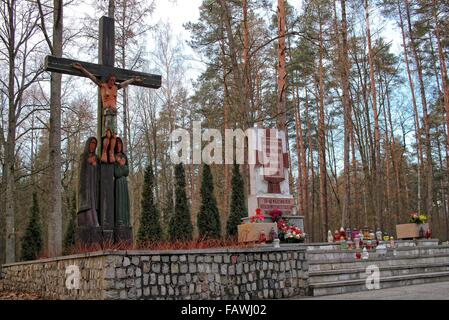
x=269, y=180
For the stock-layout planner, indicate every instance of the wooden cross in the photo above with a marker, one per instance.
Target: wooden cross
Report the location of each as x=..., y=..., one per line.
x=105, y=67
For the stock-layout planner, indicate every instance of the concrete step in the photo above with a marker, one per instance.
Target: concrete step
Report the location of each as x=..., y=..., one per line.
x=348, y=255
x=381, y=262
x=358, y=285
x=388, y=271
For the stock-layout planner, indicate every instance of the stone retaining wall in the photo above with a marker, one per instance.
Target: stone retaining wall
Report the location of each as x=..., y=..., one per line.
x=256, y=273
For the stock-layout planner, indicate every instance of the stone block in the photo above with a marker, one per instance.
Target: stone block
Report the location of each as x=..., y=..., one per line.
x=184, y=268
x=146, y=267
x=130, y=271
x=223, y=269
x=126, y=262
x=135, y=261
x=109, y=273
x=154, y=291
x=231, y=270
x=174, y=268
x=130, y=283
x=146, y=278
x=239, y=268
x=121, y=273
x=156, y=267
x=153, y=278
x=120, y=284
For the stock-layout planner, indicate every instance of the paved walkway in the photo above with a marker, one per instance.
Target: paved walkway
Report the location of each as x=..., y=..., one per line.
x=428, y=291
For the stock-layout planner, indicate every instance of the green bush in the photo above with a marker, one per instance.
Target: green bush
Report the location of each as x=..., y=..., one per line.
x=180, y=228
x=208, y=217
x=32, y=239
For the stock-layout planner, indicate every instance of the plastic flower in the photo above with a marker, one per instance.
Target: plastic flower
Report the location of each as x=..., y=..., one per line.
x=416, y=218
x=423, y=218
x=258, y=217
x=275, y=214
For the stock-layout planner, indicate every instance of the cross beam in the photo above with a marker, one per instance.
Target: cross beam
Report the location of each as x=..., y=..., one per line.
x=64, y=65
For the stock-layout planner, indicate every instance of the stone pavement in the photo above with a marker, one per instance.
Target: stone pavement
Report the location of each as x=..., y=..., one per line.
x=428, y=291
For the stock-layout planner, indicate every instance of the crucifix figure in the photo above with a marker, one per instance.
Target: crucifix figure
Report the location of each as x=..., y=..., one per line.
x=108, y=93
x=109, y=80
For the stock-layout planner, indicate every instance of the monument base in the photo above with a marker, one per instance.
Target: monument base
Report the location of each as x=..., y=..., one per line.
x=266, y=202
x=250, y=232
x=108, y=236
x=123, y=235
x=88, y=236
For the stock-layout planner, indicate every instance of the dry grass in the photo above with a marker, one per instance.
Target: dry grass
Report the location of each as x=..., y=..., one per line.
x=162, y=245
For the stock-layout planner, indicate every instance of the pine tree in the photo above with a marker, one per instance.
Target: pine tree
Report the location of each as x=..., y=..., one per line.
x=150, y=226
x=69, y=239
x=180, y=225
x=238, y=204
x=32, y=240
x=208, y=217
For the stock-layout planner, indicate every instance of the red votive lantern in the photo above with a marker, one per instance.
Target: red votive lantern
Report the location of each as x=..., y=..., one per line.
x=262, y=237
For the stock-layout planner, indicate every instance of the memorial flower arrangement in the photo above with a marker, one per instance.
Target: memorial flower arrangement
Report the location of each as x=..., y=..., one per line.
x=276, y=215
x=417, y=218
x=258, y=217
x=290, y=233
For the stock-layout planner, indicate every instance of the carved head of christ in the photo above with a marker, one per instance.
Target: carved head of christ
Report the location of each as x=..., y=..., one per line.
x=111, y=80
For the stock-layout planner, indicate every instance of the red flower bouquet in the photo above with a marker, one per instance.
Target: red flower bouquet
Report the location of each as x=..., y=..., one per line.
x=290, y=233
x=257, y=218
x=276, y=215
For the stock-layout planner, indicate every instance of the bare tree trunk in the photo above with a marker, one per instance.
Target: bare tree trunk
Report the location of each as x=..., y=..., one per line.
x=355, y=217
x=429, y=172
x=443, y=192
x=281, y=71
x=394, y=160
x=55, y=214
x=444, y=80
x=312, y=169
x=227, y=181
x=322, y=141
x=347, y=115
x=299, y=156
x=10, y=142
x=415, y=109
x=246, y=66
x=239, y=83
x=387, y=154
x=376, y=122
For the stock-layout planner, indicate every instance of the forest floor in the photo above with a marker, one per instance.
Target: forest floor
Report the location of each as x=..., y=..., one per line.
x=6, y=295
